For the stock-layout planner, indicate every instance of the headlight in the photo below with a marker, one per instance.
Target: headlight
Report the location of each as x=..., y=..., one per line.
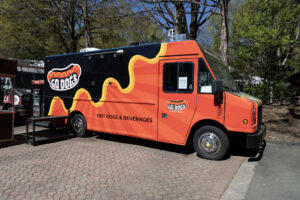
x=17, y=100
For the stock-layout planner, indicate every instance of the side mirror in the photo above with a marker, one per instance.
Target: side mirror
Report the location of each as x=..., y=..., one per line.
x=217, y=86
x=217, y=90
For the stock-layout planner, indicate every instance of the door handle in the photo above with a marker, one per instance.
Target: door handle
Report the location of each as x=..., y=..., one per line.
x=164, y=115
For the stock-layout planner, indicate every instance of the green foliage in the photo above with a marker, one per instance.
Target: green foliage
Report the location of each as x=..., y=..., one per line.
x=214, y=29
x=32, y=29
x=263, y=35
x=263, y=91
x=19, y=33
x=259, y=91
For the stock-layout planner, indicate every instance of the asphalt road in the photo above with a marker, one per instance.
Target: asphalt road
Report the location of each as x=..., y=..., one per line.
x=277, y=175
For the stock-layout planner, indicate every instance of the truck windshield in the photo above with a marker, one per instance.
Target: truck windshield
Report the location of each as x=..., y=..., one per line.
x=220, y=70
x=6, y=84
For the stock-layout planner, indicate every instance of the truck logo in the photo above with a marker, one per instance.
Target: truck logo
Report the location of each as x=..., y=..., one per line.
x=64, y=79
x=176, y=105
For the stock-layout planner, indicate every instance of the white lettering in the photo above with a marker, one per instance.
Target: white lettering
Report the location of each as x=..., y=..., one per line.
x=52, y=84
x=177, y=107
x=75, y=77
x=71, y=81
x=56, y=84
x=62, y=84
x=67, y=83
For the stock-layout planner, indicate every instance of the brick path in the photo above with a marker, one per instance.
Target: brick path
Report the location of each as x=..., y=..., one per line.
x=109, y=168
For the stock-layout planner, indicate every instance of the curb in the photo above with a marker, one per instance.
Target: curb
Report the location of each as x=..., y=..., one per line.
x=239, y=185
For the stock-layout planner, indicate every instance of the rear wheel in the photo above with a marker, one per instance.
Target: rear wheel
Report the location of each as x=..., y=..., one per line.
x=79, y=125
x=211, y=143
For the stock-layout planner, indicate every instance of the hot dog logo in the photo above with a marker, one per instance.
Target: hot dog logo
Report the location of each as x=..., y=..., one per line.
x=64, y=79
x=177, y=105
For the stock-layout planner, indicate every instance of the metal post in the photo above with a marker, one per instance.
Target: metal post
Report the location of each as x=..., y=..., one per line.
x=33, y=132
x=26, y=132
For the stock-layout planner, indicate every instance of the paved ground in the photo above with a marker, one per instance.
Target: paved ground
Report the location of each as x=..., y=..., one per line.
x=277, y=175
x=110, y=167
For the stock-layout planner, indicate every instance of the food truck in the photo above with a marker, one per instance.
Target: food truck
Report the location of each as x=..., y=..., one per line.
x=27, y=70
x=8, y=69
x=173, y=92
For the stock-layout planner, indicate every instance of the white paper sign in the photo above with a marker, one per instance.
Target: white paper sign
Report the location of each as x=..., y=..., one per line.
x=206, y=89
x=182, y=82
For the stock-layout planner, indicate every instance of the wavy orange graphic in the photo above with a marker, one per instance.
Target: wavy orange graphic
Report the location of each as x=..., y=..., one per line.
x=57, y=105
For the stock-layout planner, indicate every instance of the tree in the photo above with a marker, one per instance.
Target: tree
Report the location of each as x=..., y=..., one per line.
x=33, y=29
x=265, y=35
x=19, y=31
x=173, y=14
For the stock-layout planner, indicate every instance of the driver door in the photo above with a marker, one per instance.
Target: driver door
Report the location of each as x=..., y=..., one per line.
x=177, y=99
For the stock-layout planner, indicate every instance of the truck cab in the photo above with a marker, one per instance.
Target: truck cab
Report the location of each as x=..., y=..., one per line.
x=204, y=102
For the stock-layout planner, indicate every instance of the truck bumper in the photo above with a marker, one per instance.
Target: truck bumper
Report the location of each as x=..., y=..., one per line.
x=254, y=141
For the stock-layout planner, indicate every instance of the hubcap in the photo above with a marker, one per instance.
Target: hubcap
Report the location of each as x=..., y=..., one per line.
x=209, y=143
x=78, y=125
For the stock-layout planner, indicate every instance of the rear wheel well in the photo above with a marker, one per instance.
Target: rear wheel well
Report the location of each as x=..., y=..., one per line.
x=74, y=113
x=199, y=124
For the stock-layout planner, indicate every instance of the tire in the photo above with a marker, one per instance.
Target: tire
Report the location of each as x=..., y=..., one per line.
x=78, y=125
x=210, y=143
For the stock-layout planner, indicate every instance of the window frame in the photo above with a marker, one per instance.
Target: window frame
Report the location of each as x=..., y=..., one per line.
x=207, y=67
x=180, y=92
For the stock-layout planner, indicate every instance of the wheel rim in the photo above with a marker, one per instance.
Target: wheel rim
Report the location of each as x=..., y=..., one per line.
x=209, y=143
x=78, y=125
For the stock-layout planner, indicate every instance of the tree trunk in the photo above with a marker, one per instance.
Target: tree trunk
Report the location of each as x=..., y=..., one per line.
x=180, y=24
x=194, y=20
x=73, y=35
x=86, y=21
x=224, y=32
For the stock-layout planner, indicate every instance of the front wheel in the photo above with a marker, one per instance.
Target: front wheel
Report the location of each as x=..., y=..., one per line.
x=211, y=143
x=79, y=125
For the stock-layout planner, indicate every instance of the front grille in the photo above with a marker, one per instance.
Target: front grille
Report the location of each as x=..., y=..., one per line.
x=259, y=116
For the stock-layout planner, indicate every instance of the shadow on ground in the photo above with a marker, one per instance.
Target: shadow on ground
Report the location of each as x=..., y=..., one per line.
x=146, y=143
x=42, y=137
x=236, y=148
x=49, y=136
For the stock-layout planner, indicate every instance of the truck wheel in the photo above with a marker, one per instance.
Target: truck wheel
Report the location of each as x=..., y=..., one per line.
x=210, y=143
x=79, y=125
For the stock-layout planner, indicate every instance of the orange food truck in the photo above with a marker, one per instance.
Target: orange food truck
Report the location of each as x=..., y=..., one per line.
x=172, y=92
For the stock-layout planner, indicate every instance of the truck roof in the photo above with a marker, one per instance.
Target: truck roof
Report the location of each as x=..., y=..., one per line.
x=103, y=50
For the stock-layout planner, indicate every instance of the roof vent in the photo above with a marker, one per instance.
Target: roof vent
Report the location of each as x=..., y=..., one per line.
x=89, y=49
